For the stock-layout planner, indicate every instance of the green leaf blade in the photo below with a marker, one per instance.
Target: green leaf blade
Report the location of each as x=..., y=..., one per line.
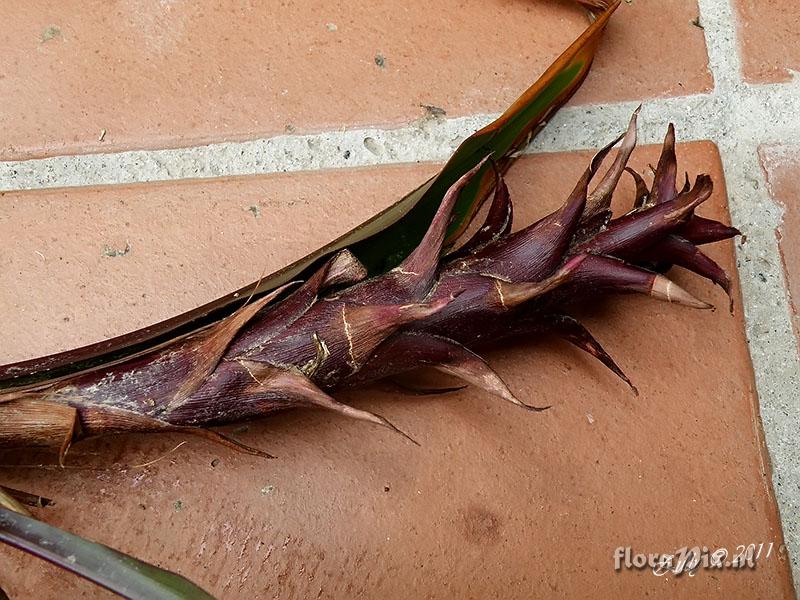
x=113, y=570
x=382, y=241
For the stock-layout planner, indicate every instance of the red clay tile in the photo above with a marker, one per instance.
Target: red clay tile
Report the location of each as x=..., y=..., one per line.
x=496, y=502
x=769, y=35
x=168, y=74
x=782, y=167
x=74, y=260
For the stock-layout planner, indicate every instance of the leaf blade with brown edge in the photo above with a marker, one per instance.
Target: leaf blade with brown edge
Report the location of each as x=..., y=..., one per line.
x=113, y=570
x=403, y=224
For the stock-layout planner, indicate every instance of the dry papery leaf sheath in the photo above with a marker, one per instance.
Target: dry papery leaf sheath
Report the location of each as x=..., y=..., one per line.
x=297, y=345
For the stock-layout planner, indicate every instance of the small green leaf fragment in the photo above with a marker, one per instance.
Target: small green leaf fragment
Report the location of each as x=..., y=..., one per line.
x=117, y=572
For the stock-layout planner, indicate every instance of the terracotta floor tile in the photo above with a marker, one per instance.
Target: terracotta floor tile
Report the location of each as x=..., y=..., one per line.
x=146, y=74
x=496, y=502
x=81, y=265
x=769, y=35
x=782, y=166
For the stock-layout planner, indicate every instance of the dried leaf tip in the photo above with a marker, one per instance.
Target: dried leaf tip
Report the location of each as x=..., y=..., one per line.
x=664, y=288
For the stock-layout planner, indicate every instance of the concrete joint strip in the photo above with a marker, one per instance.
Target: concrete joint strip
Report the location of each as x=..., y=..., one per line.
x=752, y=115
x=759, y=113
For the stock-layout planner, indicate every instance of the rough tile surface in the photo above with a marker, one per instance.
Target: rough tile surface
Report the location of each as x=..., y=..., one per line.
x=504, y=502
x=139, y=74
x=769, y=38
x=75, y=74
x=81, y=265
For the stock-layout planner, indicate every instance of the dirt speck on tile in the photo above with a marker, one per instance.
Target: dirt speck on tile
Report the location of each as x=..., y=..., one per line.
x=51, y=32
x=434, y=111
x=115, y=252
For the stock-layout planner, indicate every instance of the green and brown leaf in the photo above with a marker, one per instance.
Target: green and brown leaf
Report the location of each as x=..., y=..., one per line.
x=384, y=240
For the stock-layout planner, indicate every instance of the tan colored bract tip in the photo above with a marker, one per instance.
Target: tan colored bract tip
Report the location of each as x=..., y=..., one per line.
x=665, y=289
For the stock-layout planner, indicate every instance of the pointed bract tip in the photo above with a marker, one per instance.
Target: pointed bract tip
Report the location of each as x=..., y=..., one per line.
x=514, y=294
x=389, y=425
x=362, y=415
x=686, y=203
x=664, y=288
x=469, y=174
x=687, y=184
x=535, y=408
x=642, y=191
x=415, y=312
x=600, y=198
x=421, y=264
x=224, y=440
x=498, y=387
x=506, y=394
x=473, y=369
x=621, y=374
x=345, y=268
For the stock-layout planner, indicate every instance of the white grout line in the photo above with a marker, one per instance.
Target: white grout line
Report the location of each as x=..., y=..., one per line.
x=432, y=139
x=749, y=116
x=738, y=116
x=718, y=19
x=697, y=117
x=773, y=346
